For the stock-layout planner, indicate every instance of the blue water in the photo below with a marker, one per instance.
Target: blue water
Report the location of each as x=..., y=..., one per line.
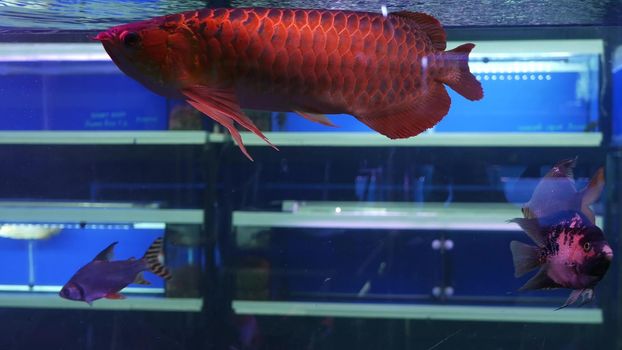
x=308, y=276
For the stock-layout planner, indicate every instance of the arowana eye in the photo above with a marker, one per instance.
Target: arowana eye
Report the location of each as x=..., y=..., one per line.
x=587, y=246
x=131, y=39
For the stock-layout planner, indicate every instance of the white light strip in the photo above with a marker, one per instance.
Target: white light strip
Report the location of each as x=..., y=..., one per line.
x=56, y=289
x=19, y=52
x=14, y=288
x=25, y=52
x=429, y=139
x=464, y=220
x=150, y=225
x=521, y=67
x=132, y=303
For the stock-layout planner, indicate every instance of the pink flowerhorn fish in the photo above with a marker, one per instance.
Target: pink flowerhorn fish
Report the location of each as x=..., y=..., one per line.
x=570, y=251
x=103, y=278
x=557, y=192
x=388, y=71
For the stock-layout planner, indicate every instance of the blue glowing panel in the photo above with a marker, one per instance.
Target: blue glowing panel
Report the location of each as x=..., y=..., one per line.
x=534, y=103
x=14, y=257
x=617, y=100
x=294, y=122
x=58, y=258
x=565, y=101
x=103, y=102
x=21, y=106
x=76, y=96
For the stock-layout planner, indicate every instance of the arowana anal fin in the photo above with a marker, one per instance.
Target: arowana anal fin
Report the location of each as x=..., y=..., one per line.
x=412, y=118
x=222, y=106
x=107, y=254
x=429, y=25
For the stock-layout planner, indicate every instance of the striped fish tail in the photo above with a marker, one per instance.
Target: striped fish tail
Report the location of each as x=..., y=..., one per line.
x=152, y=258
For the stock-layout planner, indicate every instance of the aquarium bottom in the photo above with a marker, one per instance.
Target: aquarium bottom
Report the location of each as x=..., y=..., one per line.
x=421, y=312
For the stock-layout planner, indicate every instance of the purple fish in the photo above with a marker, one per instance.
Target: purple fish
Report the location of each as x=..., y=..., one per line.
x=103, y=278
x=556, y=192
x=570, y=251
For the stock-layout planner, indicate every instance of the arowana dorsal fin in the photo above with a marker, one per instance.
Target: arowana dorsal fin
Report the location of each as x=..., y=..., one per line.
x=429, y=25
x=106, y=254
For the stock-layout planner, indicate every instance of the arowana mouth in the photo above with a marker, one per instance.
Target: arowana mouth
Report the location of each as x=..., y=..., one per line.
x=103, y=36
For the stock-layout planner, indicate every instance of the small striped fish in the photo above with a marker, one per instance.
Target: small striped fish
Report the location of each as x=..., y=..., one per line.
x=103, y=278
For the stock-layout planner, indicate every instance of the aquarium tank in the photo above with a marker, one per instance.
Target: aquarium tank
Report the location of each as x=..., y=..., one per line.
x=443, y=174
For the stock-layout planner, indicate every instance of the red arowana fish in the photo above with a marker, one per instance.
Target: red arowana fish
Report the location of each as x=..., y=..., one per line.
x=103, y=278
x=387, y=71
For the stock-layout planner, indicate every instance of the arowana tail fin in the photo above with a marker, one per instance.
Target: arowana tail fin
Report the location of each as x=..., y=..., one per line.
x=152, y=258
x=461, y=79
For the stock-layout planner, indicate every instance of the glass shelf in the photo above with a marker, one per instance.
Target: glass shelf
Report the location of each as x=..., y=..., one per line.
x=447, y=139
x=103, y=137
x=144, y=303
x=32, y=212
x=421, y=312
x=19, y=52
x=431, y=216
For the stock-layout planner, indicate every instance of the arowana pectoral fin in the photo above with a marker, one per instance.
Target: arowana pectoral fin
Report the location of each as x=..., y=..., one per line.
x=222, y=106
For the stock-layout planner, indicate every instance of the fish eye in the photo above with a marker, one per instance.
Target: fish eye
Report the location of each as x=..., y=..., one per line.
x=587, y=246
x=131, y=39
